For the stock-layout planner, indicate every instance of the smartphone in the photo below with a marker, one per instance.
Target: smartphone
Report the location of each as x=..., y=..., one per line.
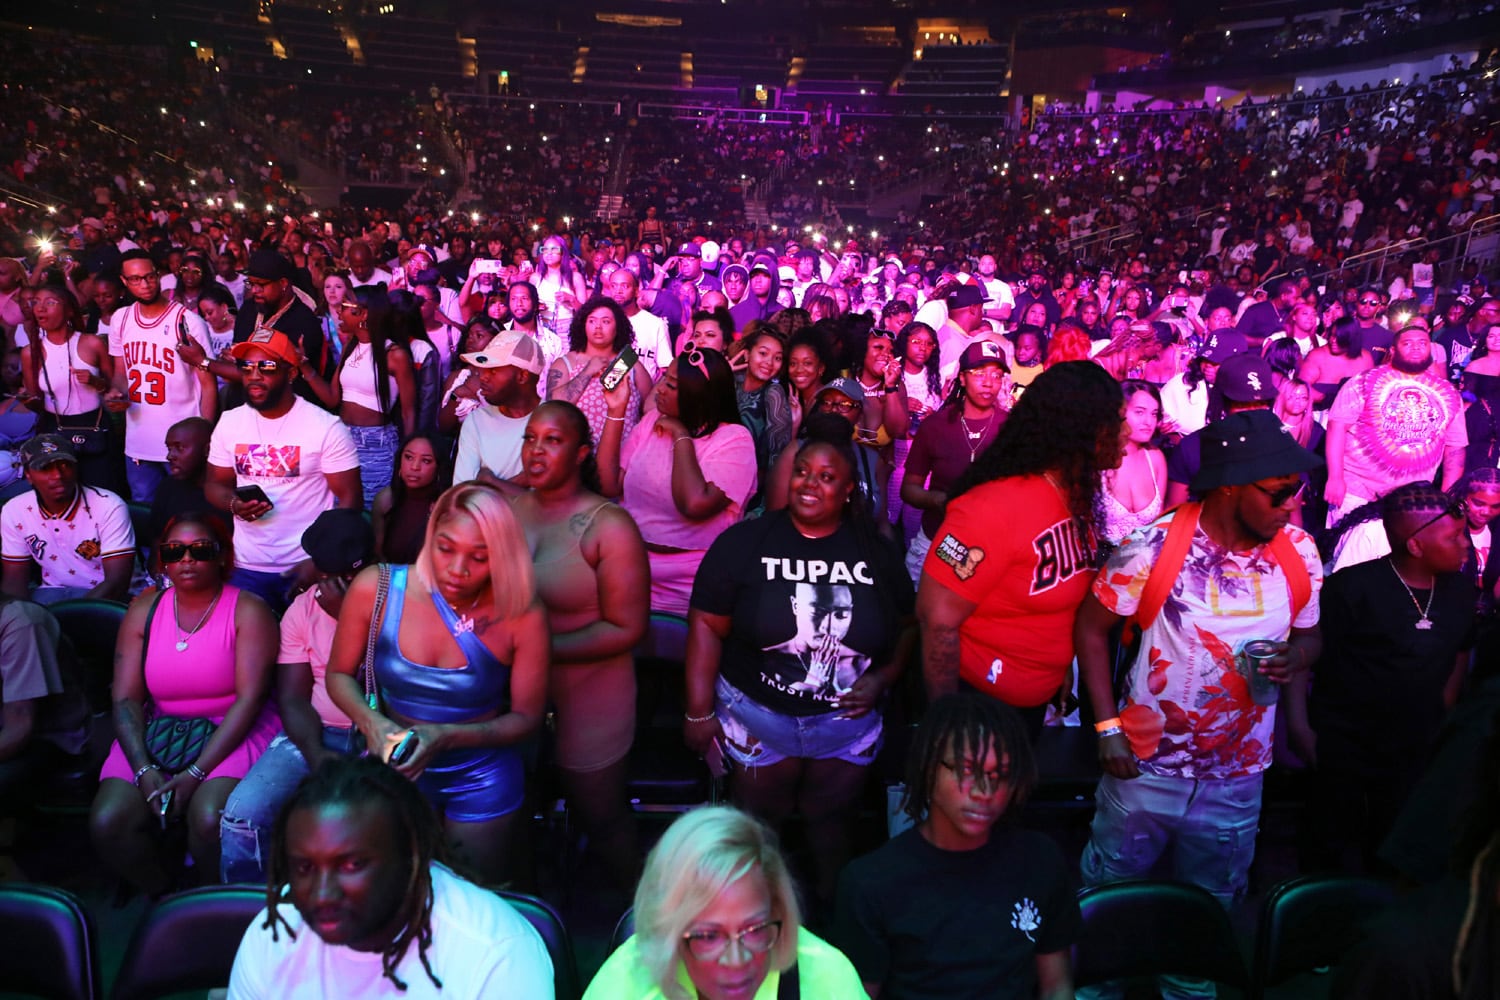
x=619, y=368
x=486, y=265
x=164, y=803
x=250, y=494
x=404, y=750
x=327, y=229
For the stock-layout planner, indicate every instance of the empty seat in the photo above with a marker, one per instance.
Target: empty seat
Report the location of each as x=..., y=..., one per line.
x=50, y=949
x=187, y=942
x=1151, y=928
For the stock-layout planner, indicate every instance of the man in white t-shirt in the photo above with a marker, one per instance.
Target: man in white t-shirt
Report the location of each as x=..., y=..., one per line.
x=653, y=340
x=372, y=917
x=78, y=536
x=489, y=443
x=362, y=267
x=154, y=385
x=1000, y=298
x=300, y=457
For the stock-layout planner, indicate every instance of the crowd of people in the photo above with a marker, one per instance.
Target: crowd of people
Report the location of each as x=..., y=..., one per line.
x=423, y=479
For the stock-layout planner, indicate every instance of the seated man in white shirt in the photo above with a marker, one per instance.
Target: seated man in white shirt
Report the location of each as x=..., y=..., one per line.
x=372, y=914
x=489, y=442
x=79, y=536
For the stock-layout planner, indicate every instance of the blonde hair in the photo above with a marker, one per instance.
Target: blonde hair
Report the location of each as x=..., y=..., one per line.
x=699, y=856
x=511, y=578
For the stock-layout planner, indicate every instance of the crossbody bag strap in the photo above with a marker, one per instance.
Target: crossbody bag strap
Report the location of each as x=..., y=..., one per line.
x=1283, y=552
x=787, y=987
x=1168, y=564
x=377, y=622
x=150, y=617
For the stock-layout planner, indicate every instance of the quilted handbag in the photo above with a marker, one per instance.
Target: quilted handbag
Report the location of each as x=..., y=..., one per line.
x=175, y=742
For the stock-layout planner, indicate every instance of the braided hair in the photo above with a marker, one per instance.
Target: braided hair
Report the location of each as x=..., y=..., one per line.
x=967, y=726
x=1420, y=497
x=354, y=780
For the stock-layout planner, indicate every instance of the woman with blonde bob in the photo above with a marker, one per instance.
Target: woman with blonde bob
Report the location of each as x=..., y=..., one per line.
x=460, y=670
x=717, y=918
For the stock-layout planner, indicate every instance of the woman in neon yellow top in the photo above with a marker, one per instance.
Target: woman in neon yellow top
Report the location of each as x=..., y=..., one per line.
x=716, y=918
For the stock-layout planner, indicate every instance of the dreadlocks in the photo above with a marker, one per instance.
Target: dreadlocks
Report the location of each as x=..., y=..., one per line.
x=966, y=726
x=349, y=781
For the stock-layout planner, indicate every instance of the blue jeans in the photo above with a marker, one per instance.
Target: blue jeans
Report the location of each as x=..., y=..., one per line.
x=143, y=477
x=1210, y=826
x=376, y=447
x=269, y=587
x=250, y=813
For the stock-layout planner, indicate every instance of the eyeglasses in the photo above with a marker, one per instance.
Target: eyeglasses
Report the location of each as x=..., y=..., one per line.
x=1280, y=497
x=266, y=367
x=140, y=279
x=694, y=357
x=969, y=776
x=550, y=249
x=201, y=551
x=847, y=406
x=708, y=946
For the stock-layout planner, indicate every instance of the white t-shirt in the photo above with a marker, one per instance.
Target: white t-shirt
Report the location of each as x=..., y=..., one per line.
x=481, y=948
x=290, y=458
x=70, y=549
x=377, y=276
x=162, y=388
x=490, y=439
x=653, y=342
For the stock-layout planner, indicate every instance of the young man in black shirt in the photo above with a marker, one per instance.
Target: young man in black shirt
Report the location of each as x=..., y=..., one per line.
x=1396, y=635
x=965, y=904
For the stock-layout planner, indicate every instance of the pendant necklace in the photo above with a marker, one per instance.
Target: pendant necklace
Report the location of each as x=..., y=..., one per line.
x=974, y=436
x=464, y=624
x=1425, y=622
x=182, y=638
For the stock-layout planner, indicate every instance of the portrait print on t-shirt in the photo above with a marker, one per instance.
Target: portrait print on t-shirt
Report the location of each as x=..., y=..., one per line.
x=815, y=662
x=268, y=461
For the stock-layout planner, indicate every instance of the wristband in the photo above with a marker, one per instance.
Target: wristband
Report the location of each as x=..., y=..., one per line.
x=1114, y=723
x=1111, y=731
x=143, y=769
x=681, y=439
x=618, y=419
x=706, y=718
x=196, y=771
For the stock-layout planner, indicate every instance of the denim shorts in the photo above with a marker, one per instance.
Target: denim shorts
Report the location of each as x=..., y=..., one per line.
x=757, y=736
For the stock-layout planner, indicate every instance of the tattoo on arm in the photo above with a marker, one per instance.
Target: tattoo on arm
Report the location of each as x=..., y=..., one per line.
x=578, y=524
x=940, y=661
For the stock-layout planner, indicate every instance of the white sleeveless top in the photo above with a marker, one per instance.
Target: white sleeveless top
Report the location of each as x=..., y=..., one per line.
x=62, y=394
x=357, y=379
x=1120, y=520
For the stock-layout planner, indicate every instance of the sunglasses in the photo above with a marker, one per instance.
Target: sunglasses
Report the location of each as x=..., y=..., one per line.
x=695, y=357
x=266, y=367
x=1369, y=302
x=1284, y=495
x=176, y=552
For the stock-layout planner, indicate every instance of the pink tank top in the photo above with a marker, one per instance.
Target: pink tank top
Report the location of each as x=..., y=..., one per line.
x=197, y=680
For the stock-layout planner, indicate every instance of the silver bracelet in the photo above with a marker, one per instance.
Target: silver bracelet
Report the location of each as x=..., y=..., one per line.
x=144, y=768
x=196, y=771
x=707, y=718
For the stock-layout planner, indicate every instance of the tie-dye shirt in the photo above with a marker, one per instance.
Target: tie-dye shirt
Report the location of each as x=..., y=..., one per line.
x=1186, y=707
x=1399, y=427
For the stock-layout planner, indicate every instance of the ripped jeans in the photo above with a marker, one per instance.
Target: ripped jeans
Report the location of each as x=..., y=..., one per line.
x=250, y=813
x=1209, y=824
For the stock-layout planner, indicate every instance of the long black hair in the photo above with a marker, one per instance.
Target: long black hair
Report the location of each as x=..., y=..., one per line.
x=376, y=303
x=418, y=834
x=705, y=399
x=1061, y=424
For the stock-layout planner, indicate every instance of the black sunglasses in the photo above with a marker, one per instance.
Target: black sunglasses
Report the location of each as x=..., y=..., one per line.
x=201, y=551
x=1280, y=497
x=266, y=367
x=1454, y=509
